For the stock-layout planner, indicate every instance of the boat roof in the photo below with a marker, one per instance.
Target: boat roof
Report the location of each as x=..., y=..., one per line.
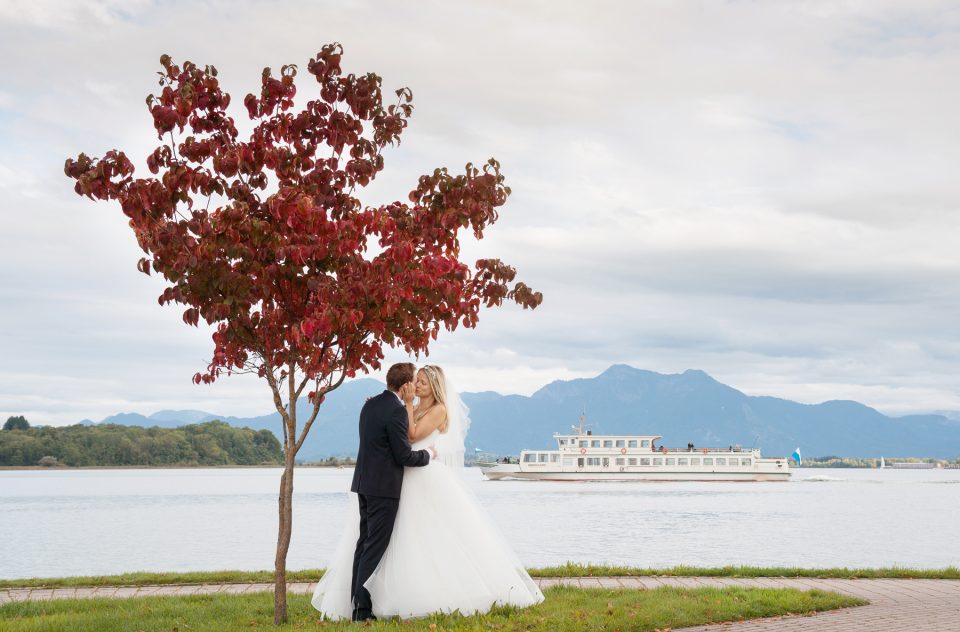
x=561, y=435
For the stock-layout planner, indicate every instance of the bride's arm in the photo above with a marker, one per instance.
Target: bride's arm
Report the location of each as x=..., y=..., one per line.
x=428, y=423
x=410, y=423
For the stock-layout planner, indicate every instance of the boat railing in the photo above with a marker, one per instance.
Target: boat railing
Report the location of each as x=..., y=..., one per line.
x=701, y=450
x=660, y=450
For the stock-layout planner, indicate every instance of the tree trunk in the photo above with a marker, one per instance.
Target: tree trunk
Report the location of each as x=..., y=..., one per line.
x=283, y=540
x=290, y=448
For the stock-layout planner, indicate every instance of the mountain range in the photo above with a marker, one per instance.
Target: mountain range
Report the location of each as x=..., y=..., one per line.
x=688, y=407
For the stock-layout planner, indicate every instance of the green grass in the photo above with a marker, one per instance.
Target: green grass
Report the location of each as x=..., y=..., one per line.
x=892, y=572
x=152, y=579
x=566, y=570
x=565, y=609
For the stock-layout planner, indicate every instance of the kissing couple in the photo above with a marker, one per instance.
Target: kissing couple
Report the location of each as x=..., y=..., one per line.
x=417, y=541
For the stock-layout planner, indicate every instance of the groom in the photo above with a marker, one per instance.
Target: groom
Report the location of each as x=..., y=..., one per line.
x=384, y=451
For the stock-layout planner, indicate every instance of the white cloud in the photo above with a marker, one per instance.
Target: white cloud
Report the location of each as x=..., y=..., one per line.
x=765, y=191
x=68, y=14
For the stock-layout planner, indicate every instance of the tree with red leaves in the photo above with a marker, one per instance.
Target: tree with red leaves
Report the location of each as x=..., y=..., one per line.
x=304, y=283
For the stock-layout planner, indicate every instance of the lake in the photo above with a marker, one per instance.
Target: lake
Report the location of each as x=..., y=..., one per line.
x=91, y=522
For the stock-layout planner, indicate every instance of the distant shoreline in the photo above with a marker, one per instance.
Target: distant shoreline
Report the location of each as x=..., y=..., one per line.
x=162, y=467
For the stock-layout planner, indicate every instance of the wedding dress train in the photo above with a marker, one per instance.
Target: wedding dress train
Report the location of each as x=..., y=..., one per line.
x=445, y=554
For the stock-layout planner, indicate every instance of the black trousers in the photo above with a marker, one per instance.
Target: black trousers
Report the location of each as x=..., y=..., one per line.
x=377, y=517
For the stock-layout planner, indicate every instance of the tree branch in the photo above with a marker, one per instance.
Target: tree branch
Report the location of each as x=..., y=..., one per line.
x=244, y=371
x=292, y=416
x=173, y=146
x=277, y=401
x=302, y=385
x=323, y=351
x=316, y=408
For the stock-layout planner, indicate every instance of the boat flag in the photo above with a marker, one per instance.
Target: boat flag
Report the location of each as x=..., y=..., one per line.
x=796, y=456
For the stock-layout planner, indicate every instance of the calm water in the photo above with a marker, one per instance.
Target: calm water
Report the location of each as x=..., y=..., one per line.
x=88, y=522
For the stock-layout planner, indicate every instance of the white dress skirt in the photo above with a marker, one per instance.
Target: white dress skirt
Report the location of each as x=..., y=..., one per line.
x=445, y=555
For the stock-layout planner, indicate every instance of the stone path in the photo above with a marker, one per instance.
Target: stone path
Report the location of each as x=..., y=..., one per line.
x=895, y=604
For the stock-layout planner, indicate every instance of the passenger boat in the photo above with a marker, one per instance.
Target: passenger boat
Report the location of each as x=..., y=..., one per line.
x=587, y=457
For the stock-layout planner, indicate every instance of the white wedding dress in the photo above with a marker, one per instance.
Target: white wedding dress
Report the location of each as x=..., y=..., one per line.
x=445, y=554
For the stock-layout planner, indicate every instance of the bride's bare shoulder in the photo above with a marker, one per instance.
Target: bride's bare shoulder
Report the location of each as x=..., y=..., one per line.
x=436, y=412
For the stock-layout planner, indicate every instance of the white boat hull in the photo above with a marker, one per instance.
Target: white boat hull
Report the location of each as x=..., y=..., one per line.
x=588, y=457
x=513, y=472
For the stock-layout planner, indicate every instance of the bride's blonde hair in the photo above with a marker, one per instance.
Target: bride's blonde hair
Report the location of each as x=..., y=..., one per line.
x=438, y=386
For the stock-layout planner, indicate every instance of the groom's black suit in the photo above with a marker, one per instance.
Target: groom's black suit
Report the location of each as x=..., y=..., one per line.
x=384, y=451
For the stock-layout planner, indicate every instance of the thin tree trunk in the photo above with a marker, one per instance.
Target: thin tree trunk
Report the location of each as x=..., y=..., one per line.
x=291, y=446
x=283, y=540
x=286, y=500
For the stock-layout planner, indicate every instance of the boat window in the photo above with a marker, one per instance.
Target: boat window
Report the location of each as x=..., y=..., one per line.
x=608, y=443
x=584, y=444
x=671, y=461
x=593, y=460
x=721, y=461
x=658, y=461
x=621, y=443
x=744, y=461
x=694, y=461
x=542, y=457
x=682, y=461
x=708, y=461
x=633, y=461
x=606, y=462
x=645, y=443
x=580, y=462
x=594, y=444
x=563, y=442
x=632, y=443
x=621, y=461
x=644, y=461
x=554, y=458
x=529, y=458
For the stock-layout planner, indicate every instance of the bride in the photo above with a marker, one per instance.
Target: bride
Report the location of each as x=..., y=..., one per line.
x=445, y=554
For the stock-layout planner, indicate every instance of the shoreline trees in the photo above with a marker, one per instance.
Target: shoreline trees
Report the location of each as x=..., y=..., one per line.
x=16, y=422
x=209, y=443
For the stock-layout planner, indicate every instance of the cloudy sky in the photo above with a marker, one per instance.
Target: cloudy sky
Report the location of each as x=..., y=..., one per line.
x=765, y=191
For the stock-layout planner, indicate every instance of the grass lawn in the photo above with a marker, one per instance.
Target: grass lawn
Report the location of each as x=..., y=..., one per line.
x=893, y=572
x=567, y=570
x=565, y=609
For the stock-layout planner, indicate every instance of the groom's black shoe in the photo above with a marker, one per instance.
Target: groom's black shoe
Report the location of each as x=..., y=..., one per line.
x=360, y=614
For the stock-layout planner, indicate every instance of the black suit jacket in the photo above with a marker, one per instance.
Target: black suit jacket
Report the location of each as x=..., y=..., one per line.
x=384, y=448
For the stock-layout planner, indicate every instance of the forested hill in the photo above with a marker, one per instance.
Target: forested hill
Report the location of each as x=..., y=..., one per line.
x=210, y=443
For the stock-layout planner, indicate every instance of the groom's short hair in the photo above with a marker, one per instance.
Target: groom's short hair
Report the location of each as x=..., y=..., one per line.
x=400, y=374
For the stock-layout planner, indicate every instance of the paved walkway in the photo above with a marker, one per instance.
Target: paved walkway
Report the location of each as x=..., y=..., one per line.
x=895, y=604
